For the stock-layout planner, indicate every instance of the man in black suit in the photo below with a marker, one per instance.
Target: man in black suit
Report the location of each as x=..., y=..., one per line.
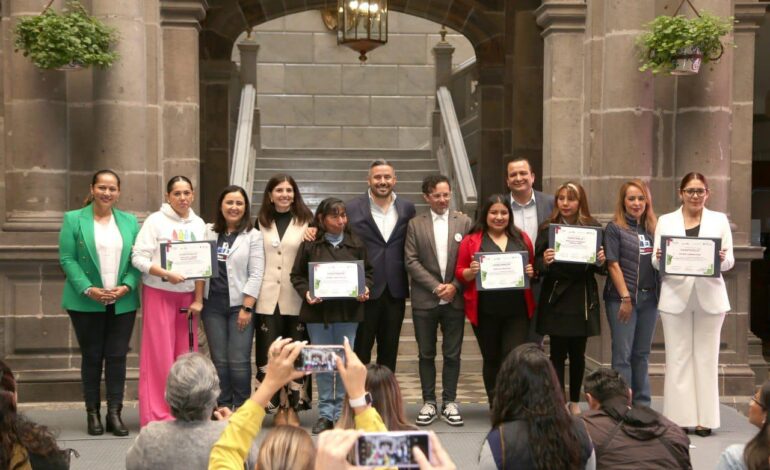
x=529, y=209
x=381, y=219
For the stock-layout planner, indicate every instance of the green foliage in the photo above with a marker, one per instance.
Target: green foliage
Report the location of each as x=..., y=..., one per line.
x=668, y=35
x=52, y=40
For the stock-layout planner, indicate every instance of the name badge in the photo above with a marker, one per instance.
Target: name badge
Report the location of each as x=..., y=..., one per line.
x=458, y=237
x=275, y=243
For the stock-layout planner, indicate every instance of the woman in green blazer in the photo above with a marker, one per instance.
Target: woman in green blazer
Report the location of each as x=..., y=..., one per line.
x=100, y=294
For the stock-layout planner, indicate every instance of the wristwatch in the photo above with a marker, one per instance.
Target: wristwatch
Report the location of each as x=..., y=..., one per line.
x=361, y=401
x=248, y=309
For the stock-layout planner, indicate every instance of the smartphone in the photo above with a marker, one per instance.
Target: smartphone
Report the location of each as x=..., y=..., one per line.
x=319, y=358
x=391, y=449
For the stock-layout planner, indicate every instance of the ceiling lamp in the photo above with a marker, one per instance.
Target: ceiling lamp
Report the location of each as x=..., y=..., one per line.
x=362, y=25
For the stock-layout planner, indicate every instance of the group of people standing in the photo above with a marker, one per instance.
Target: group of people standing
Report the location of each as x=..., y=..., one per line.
x=262, y=290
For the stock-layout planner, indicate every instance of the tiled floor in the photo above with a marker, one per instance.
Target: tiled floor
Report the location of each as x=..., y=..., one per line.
x=470, y=388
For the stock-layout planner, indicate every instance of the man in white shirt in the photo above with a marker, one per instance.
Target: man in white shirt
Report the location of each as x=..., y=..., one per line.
x=430, y=253
x=380, y=218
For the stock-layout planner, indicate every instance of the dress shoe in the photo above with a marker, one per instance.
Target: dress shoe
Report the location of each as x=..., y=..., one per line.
x=114, y=422
x=702, y=432
x=322, y=425
x=94, y=420
x=292, y=418
x=280, y=418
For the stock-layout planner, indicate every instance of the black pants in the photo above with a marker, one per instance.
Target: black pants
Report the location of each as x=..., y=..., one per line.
x=267, y=328
x=498, y=333
x=382, y=321
x=103, y=338
x=575, y=348
x=426, y=323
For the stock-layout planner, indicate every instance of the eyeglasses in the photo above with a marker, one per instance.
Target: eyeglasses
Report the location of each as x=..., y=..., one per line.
x=758, y=403
x=692, y=192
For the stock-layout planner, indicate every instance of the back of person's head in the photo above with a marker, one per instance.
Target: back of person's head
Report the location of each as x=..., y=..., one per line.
x=192, y=387
x=757, y=451
x=605, y=384
x=382, y=384
x=527, y=389
x=286, y=448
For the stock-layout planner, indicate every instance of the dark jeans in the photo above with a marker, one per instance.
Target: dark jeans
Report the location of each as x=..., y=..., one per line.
x=382, y=321
x=267, y=328
x=498, y=334
x=103, y=338
x=426, y=323
x=230, y=349
x=575, y=348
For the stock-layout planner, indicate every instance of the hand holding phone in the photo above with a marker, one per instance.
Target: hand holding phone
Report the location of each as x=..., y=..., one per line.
x=391, y=449
x=319, y=358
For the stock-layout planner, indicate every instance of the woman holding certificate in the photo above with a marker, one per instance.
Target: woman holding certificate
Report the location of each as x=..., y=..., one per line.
x=231, y=294
x=631, y=295
x=499, y=316
x=283, y=219
x=330, y=319
x=164, y=293
x=568, y=308
x=100, y=295
x=693, y=306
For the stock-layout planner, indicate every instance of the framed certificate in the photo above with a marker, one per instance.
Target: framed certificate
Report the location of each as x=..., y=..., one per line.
x=575, y=244
x=502, y=270
x=690, y=256
x=337, y=279
x=193, y=260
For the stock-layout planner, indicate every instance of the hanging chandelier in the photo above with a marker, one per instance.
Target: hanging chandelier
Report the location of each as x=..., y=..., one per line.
x=362, y=25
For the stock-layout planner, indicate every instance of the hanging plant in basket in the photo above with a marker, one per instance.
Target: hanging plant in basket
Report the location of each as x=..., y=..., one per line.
x=678, y=45
x=68, y=40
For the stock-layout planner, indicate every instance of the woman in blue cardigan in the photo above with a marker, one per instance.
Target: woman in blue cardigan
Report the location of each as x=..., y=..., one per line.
x=100, y=294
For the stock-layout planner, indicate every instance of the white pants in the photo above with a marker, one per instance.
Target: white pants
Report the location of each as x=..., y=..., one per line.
x=691, y=387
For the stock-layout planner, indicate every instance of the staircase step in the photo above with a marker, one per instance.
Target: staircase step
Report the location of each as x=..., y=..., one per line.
x=408, y=345
x=408, y=363
x=306, y=174
x=407, y=329
x=285, y=164
x=329, y=186
x=365, y=154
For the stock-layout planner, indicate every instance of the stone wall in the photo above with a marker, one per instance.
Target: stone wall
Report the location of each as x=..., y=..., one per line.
x=314, y=93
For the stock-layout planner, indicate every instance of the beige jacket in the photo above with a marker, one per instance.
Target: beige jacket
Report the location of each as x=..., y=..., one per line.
x=279, y=259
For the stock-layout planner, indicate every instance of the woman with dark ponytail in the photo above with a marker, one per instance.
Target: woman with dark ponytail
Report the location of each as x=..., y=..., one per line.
x=100, y=294
x=755, y=454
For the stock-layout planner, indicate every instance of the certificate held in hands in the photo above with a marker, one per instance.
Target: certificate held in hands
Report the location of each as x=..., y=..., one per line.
x=193, y=260
x=690, y=256
x=575, y=244
x=499, y=271
x=337, y=279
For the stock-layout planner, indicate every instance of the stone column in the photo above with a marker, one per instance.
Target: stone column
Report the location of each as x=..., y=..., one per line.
x=495, y=139
x=120, y=103
x=36, y=135
x=563, y=24
x=180, y=99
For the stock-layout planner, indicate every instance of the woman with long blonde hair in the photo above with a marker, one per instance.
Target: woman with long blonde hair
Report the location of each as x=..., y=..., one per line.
x=287, y=447
x=631, y=298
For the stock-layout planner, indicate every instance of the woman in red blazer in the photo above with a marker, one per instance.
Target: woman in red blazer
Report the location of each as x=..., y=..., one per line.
x=500, y=318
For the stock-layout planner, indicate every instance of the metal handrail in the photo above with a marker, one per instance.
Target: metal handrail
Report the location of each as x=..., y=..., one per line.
x=452, y=155
x=245, y=148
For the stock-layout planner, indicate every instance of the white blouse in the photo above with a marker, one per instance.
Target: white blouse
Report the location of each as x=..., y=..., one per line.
x=109, y=245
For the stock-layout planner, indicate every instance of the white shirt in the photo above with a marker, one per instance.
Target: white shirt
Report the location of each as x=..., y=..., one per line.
x=109, y=244
x=525, y=216
x=441, y=237
x=384, y=219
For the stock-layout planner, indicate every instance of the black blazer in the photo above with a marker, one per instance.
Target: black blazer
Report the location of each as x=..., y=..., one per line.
x=387, y=258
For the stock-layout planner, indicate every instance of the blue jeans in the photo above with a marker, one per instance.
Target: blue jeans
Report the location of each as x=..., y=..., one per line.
x=230, y=349
x=631, y=343
x=331, y=391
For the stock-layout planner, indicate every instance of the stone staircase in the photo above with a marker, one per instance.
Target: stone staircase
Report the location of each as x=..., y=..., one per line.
x=342, y=173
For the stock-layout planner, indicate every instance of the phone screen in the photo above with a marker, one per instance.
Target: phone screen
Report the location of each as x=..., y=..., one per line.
x=391, y=449
x=319, y=358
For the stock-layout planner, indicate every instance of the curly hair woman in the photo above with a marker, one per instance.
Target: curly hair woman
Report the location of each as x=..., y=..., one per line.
x=531, y=428
x=24, y=445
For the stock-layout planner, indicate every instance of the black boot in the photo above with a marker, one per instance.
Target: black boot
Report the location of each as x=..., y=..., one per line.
x=114, y=422
x=94, y=420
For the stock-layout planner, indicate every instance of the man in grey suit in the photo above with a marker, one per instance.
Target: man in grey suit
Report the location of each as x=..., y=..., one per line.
x=529, y=209
x=430, y=254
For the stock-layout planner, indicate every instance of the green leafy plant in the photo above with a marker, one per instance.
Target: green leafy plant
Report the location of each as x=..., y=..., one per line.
x=670, y=37
x=72, y=38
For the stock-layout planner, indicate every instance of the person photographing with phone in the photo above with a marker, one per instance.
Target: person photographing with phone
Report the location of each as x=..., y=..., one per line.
x=329, y=321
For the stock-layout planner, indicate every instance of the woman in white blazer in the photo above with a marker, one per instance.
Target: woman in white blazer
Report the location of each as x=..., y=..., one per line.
x=229, y=297
x=692, y=310
x=283, y=219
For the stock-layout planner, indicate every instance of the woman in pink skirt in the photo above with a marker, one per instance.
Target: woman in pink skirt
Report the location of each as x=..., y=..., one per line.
x=164, y=293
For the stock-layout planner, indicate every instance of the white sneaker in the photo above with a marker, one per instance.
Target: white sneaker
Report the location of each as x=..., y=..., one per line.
x=450, y=413
x=427, y=414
